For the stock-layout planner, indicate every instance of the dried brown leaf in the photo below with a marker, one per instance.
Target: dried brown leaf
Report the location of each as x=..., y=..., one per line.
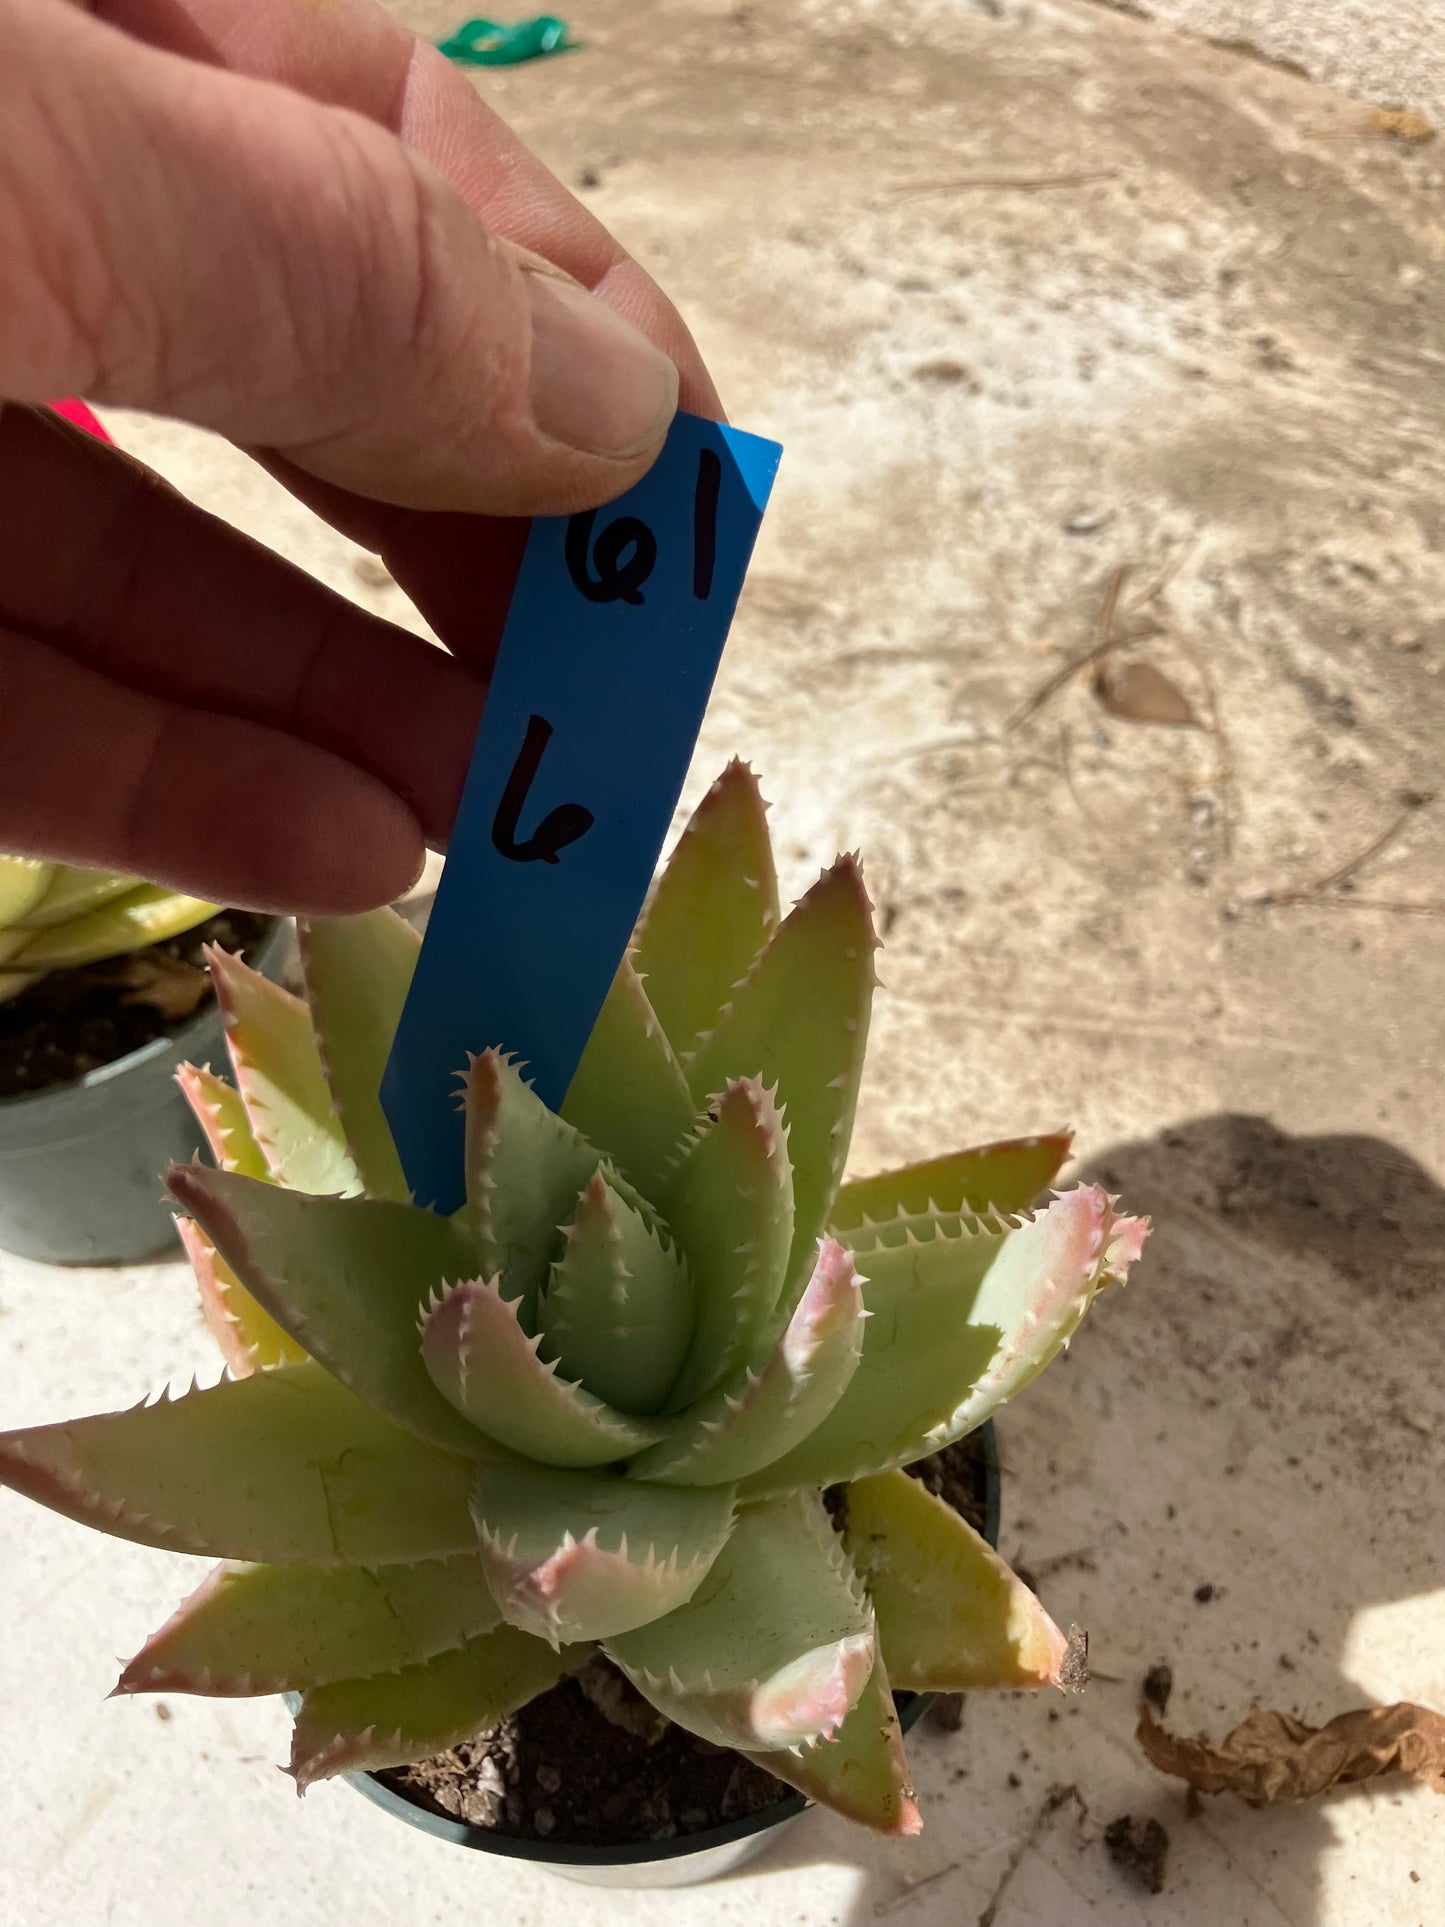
x=167, y=984
x=1273, y=1756
x=1137, y=692
x=1400, y=124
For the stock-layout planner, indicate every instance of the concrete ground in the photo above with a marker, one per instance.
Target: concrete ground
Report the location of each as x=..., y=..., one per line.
x=1033, y=296
x=1391, y=51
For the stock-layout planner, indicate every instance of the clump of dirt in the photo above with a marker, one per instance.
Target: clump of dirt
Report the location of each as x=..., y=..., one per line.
x=1138, y=1848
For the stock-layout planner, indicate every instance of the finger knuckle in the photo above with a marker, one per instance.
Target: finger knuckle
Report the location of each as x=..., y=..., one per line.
x=424, y=279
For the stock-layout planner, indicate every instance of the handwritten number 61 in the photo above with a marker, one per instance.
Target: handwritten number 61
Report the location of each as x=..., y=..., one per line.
x=615, y=565
x=613, y=568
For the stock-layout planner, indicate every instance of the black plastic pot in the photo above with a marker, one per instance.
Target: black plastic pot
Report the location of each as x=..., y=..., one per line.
x=81, y=1165
x=682, y=1862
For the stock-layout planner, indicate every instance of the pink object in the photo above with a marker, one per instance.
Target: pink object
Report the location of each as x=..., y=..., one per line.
x=77, y=412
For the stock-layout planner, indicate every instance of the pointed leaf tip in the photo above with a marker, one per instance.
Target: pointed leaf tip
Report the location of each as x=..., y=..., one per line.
x=249, y=1337
x=391, y=1719
x=526, y=1169
x=778, y=1645
x=1007, y=1176
x=952, y=1617
x=346, y=1278
x=284, y=1467
x=618, y=1310
x=250, y=1630
x=629, y=1096
x=799, y=1022
x=218, y=1109
x=960, y=1325
x=714, y=907
x=730, y=1205
x=486, y=1366
x=358, y=971
x=580, y=1555
x=280, y=1078
x=861, y=1772
x=755, y=1417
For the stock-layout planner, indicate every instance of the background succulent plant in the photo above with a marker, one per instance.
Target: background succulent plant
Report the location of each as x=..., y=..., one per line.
x=600, y=1404
x=53, y=916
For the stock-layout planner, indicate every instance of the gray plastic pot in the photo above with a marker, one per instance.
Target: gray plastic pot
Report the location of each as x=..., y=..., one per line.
x=683, y=1862
x=81, y=1165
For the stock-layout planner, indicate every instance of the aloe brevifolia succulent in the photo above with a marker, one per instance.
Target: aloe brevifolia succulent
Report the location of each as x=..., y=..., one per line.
x=53, y=915
x=600, y=1404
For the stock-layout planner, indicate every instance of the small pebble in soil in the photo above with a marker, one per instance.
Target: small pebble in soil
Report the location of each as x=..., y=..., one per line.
x=1203, y=1594
x=1138, y=1848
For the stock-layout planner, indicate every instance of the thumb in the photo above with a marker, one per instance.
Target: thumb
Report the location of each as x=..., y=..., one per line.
x=219, y=248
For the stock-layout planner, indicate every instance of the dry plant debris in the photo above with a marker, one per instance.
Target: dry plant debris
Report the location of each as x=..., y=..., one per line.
x=1401, y=124
x=167, y=984
x=1335, y=890
x=1138, y=692
x=1274, y=1756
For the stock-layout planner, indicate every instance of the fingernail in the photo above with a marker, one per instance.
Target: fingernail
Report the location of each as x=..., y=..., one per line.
x=597, y=384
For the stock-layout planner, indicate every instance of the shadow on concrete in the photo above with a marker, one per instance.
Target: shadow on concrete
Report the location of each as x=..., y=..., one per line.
x=1264, y=1381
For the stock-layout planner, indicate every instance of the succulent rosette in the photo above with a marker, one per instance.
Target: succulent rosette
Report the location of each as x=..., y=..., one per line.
x=598, y=1406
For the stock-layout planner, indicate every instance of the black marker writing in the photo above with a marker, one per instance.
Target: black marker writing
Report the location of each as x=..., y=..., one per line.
x=624, y=556
x=704, y=522
x=558, y=827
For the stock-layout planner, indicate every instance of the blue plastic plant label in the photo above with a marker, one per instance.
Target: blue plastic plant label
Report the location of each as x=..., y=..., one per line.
x=612, y=642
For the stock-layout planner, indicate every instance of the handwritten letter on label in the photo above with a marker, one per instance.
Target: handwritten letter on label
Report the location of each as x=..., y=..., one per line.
x=612, y=641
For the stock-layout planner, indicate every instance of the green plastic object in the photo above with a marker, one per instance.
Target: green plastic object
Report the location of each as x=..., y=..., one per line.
x=487, y=43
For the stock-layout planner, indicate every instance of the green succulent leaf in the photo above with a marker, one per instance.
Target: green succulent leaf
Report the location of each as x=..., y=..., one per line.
x=390, y=1719
x=773, y=1648
x=484, y=1365
x=222, y=1116
x=799, y=1021
x=347, y=1278
x=762, y=1414
x=71, y=892
x=146, y=914
x=618, y=1312
x=1009, y=1176
x=24, y=880
x=958, y=1325
x=285, y=1467
x=577, y=1555
x=629, y=1096
x=249, y=1337
x=279, y=1075
x=358, y=971
x=730, y=1206
x=861, y=1772
x=951, y=1615
x=280, y=1629
x=526, y=1169
x=715, y=906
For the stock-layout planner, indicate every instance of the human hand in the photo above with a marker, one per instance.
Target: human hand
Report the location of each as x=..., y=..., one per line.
x=294, y=224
